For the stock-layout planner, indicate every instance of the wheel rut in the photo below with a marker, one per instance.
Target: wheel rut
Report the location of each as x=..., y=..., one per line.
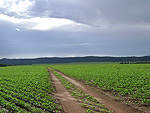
x=69, y=104
x=110, y=103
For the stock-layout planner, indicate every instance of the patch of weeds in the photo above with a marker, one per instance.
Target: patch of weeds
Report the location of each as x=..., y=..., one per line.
x=89, y=111
x=117, y=98
x=105, y=110
x=83, y=105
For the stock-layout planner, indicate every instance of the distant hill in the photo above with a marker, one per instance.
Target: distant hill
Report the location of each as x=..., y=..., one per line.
x=48, y=60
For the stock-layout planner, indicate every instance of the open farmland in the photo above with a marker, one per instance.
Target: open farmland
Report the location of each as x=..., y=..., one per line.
x=26, y=89
x=129, y=81
x=32, y=89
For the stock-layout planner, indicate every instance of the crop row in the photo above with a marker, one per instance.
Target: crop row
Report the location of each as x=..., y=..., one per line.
x=26, y=89
x=91, y=104
x=132, y=81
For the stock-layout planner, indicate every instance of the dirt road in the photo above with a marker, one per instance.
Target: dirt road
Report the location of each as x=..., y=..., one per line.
x=69, y=104
x=110, y=103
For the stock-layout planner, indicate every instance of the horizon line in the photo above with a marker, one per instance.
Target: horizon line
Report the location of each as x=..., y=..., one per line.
x=73, y=56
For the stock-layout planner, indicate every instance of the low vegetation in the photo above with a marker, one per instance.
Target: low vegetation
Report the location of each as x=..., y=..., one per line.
x=30, y=89
x=90, y=103
x=125, y=80
x=26, y=89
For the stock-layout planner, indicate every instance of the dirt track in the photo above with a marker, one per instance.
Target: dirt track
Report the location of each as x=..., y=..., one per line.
x=69, y=104
x=110, y=103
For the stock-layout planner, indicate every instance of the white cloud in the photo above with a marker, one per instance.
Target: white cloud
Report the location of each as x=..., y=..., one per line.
x=20, y=7
x=17, y=29
x=49, y=23
x=38, y=23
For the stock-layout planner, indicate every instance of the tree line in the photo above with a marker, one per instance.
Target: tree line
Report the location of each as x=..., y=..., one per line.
x=3, y=65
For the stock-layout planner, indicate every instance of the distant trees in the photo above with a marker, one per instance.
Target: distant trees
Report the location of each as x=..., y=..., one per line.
x=135, y=62
x=3, y=65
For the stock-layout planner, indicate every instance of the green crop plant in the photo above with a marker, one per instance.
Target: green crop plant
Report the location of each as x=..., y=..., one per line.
x=86, y=101
x=129, y=80
x=26, y=89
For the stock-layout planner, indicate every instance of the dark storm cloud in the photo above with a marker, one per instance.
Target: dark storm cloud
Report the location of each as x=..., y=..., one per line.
x=77, y=10
x=55, y=44
x=116, y=27
x=95, y=11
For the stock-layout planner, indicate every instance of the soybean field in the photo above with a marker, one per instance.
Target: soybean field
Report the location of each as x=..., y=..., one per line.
x=31, y=89
x=26, y=89
x=127, y=80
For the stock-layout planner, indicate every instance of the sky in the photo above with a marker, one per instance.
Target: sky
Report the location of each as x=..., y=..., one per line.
x=62, y=28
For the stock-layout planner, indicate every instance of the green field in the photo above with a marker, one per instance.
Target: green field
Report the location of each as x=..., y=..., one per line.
x=26, y=89
x=128, y=80
x=29, y=88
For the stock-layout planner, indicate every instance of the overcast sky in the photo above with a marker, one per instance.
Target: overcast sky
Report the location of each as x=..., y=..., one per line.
x=39, y=28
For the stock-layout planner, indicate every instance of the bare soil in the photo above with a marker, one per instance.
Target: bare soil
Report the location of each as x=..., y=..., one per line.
x=105, y=98
x=69, y=104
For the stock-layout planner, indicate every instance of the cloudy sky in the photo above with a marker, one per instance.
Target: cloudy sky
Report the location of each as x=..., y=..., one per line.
x=39, y=28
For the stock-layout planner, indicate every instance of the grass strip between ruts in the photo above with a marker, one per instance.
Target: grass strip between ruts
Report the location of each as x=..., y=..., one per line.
x=90, y=103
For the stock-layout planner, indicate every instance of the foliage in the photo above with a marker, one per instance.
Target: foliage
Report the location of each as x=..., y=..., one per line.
x=3, y=65
x=48, y=60
x=135, y=62
x=26, y=89
x=132, y=81
x=90, y=103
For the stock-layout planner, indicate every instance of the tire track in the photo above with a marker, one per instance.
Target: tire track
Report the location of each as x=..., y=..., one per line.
x=69, y=104
x=110, y=103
